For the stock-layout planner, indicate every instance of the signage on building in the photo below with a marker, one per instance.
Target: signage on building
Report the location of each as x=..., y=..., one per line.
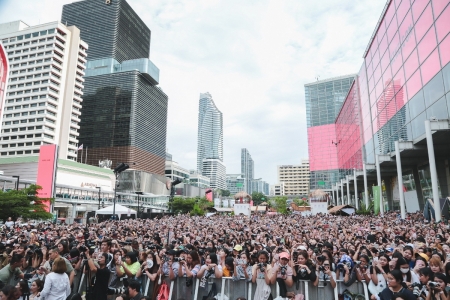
x=46, y=175
x=4, y=71
x=88, y=184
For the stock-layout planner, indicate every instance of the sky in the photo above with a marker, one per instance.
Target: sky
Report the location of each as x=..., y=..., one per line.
x=253, y=57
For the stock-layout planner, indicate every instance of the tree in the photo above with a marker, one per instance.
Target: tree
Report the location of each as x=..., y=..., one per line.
x=258, y=198
x=225, y=193
x=182, y=206
x=299, y=202
x=24, y=203
x=280, y=204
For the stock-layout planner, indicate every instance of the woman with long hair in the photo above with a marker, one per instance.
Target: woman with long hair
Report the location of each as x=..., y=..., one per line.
x=394, y=288
x=35, y=289
x=378, y=273
x=261, y=276
x=304, y=269
x=23, y=290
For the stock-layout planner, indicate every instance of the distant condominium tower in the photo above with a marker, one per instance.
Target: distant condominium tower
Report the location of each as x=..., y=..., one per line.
x=324, y=100
x=210, y=142
x=295, y=178
x=124, y=117
x=45, y=88
x=247, y=169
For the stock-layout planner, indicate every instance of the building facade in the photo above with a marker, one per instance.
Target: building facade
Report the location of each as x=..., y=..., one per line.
x=125, y=116
x=296, y=178
x=247, y=169
x=235, y=183
x=111, y=28
x=402, y=86
x=260, y=186
x=215, y=170
x=4, y=72
x=198, y=180
x=277, y=189
x=210, y=142
x=175, y=171
x=324, y=100
x=45, y=88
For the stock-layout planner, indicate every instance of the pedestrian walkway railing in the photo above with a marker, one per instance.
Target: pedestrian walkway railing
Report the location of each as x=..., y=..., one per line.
x=228, y=289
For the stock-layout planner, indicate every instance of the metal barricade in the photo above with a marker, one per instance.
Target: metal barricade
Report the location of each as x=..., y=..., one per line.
x=234, y=289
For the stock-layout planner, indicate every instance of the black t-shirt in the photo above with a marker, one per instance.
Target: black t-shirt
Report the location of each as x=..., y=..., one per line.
x=101, y=283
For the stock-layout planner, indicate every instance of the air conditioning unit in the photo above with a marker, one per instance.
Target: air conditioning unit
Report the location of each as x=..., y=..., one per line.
x=108, y=2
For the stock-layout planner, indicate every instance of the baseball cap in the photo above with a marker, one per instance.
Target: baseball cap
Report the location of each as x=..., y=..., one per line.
x=301, y=248
x=389, y=249
x=423, y=255
x=284, y=255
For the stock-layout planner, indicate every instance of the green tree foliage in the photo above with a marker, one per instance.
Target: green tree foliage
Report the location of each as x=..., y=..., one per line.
x=363, y=210
x=225, y=193
x=196, y=205
x=280, y=204
x=24, y=203
x=300, y=202
x=258, y=198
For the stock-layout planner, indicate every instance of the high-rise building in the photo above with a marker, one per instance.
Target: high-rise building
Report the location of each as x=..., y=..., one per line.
x=260, y=186
x=235, y=183
x=111, y=28
x=45, y=88
x=125, y=112
x=198, y=180
x=175, y=171
x=295, y=178
x=247, y=169
x=210, y=142
x=324, y=100
x=277, y=189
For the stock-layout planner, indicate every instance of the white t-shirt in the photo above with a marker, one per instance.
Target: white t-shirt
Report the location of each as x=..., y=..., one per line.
x=9, y=223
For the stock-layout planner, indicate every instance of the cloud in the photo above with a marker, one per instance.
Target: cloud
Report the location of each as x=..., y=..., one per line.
x=254, y=57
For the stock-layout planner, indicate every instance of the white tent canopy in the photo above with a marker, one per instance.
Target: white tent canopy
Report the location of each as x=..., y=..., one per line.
x=120, y=210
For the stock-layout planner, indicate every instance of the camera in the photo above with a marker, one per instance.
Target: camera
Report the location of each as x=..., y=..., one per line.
x=262, y=267
x=166, y=258
x=433, y=284
x=321, y=268
x=283, y=270
x=178, y=259
x=303, y=272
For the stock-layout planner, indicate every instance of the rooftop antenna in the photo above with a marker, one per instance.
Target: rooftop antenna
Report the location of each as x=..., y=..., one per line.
x=317, y=77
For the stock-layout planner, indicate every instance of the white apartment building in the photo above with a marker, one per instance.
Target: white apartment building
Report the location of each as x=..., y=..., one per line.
x=295, y=178
x=216, y=171
x=45, y=88
x=174, y=171
x=277, y=189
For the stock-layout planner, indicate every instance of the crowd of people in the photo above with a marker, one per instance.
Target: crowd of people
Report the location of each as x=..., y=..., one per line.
x=397, y=259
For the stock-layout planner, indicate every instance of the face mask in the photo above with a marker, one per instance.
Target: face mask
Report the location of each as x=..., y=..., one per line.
x=404, y=270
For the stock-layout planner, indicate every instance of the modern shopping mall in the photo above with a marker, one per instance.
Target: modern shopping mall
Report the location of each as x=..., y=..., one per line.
x=392, y=129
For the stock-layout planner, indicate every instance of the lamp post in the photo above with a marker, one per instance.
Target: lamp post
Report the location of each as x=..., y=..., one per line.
x=172, y=190
x=17, y=183
x=119, y=169
x=138, y=194
x=99, y=190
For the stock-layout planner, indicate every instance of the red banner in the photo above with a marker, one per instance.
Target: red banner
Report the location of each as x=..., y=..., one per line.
x=4, y=70
x=48, y=155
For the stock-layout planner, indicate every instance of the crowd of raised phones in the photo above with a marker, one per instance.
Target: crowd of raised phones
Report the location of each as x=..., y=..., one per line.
x=397, y=259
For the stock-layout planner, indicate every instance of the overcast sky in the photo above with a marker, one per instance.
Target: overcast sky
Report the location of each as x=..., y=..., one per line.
x=254, y=57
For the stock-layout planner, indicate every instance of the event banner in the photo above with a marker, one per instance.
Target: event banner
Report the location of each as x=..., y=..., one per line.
x=376, y=199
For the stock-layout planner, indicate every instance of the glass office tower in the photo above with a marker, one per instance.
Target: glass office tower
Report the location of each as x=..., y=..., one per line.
x=124, y=114
x=111, y=29
x=324, y=100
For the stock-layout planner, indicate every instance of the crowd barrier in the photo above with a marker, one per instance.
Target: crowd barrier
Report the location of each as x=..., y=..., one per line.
x=234, y=289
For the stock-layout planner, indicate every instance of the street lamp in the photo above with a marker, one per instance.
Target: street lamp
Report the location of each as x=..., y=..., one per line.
x=17, y=183
x=138, y=194
x=119, y=169
x=99, y=190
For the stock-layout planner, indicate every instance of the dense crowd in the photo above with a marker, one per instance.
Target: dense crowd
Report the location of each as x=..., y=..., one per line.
x=398, y=259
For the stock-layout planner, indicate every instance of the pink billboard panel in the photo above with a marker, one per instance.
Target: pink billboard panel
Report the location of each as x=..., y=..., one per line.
x=47, y=171
x=4, y=69
x=322, y=151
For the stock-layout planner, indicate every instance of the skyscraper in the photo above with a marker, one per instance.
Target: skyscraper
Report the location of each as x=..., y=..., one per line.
x=210, y=142
x=124, y=116
x=324, y=100
x=247, y=169
x=45, y=88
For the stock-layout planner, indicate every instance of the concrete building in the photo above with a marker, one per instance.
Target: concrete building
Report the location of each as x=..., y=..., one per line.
x=235, y=183
x=175, y=171
x=210, y=142
x=125, y=112
x=247, y=169
x=295, y=178
x=198, y=180
x=45, y=88
x=277, y=189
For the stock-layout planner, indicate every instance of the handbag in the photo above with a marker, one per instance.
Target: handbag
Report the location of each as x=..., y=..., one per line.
x=163, y=293
x=212, y=293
